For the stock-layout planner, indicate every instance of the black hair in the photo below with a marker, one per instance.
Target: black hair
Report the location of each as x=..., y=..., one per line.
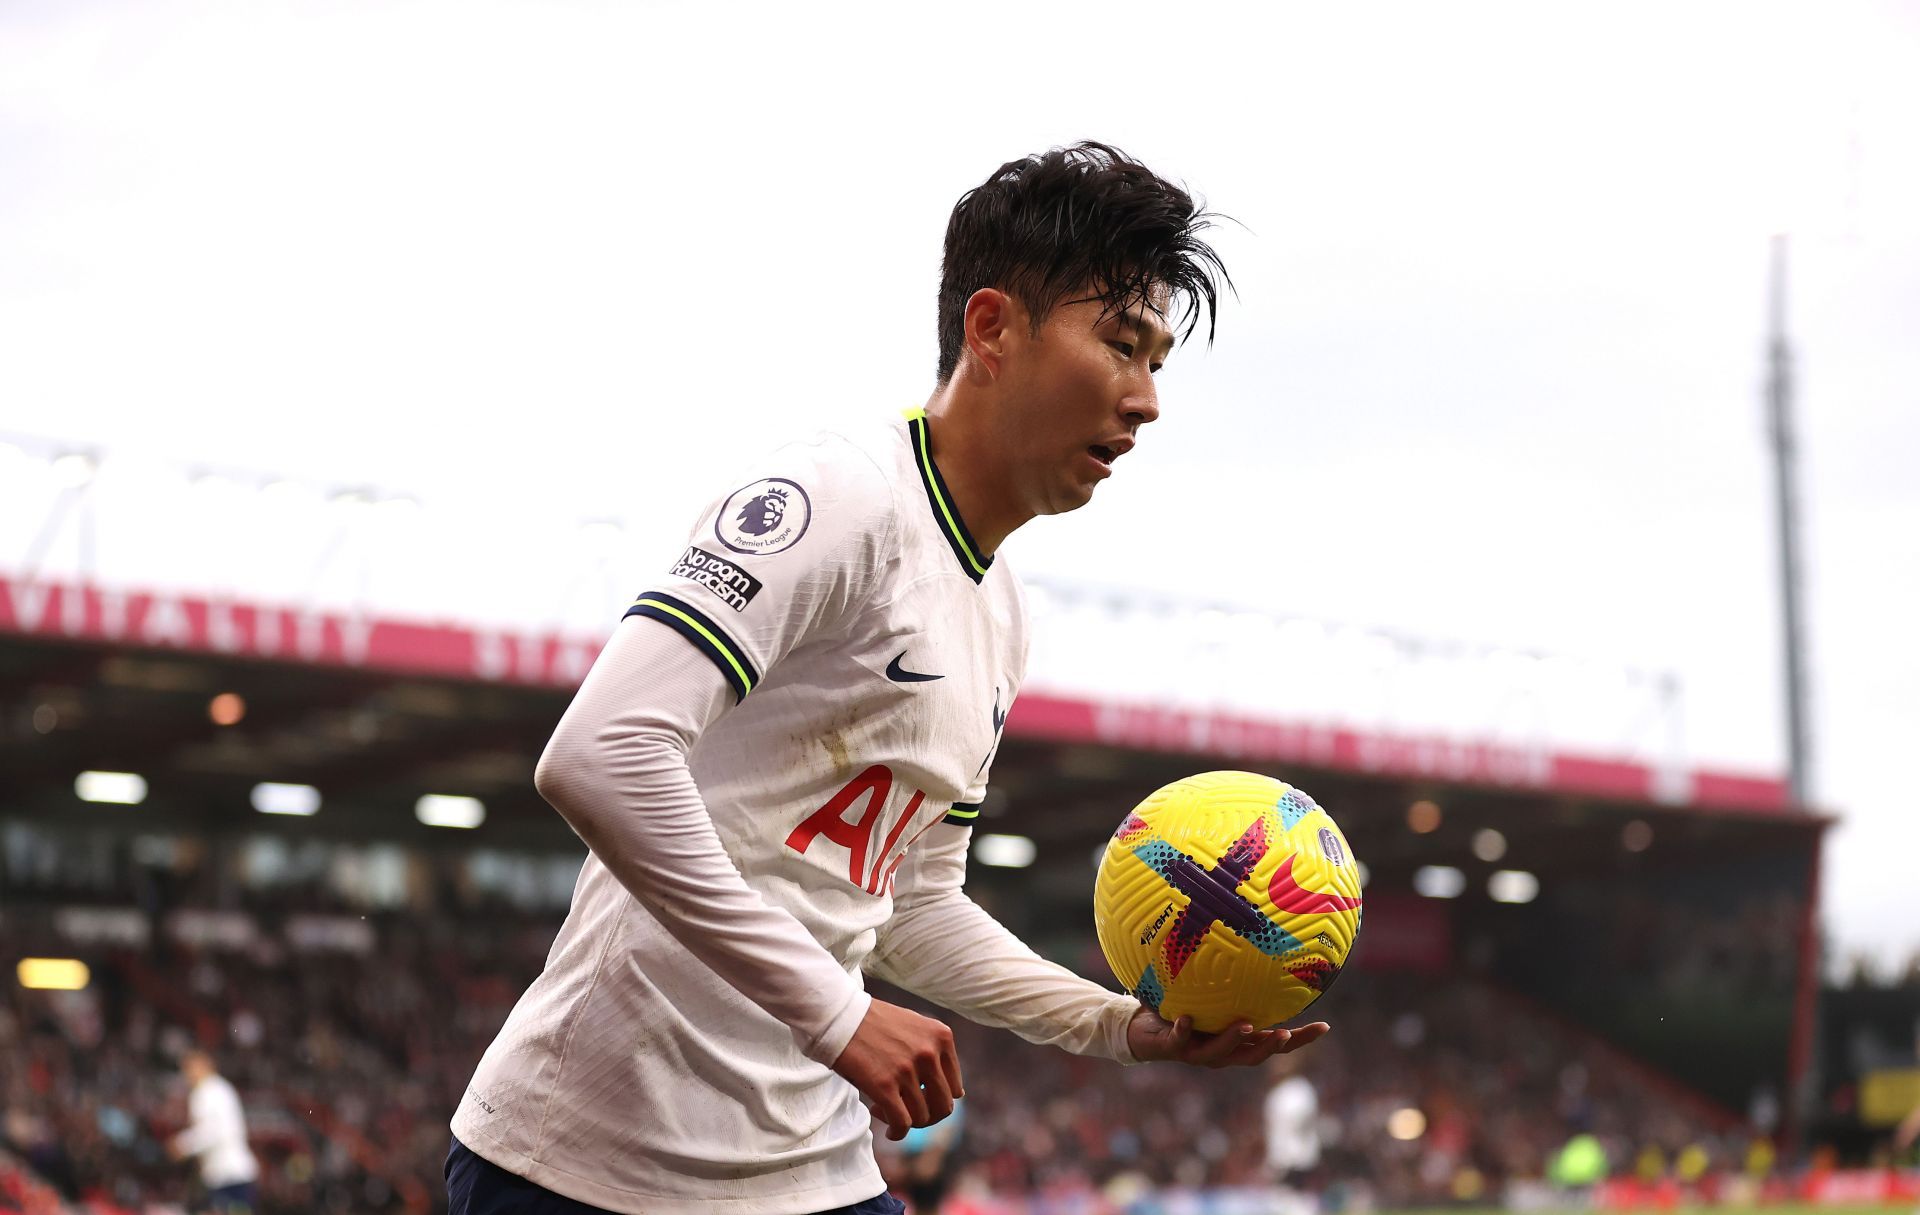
x=1087, y=216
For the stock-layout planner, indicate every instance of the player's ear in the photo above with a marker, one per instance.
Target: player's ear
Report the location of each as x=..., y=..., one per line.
x=988, y=320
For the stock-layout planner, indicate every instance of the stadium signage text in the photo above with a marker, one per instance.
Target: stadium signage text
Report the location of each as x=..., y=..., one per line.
x=1213, y=733
x=158, y=620
x=165, y=621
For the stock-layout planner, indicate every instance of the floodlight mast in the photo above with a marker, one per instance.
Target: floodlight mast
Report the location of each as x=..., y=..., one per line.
x=1779, y=393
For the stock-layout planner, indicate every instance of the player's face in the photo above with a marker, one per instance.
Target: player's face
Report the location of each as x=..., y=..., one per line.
x=1085, y=389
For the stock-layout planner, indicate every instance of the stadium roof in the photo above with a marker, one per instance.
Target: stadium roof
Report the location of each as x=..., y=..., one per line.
x=379, y=711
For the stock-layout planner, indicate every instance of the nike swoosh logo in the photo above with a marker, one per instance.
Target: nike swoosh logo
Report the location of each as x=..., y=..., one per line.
x=1287, y=895
x=899, y=674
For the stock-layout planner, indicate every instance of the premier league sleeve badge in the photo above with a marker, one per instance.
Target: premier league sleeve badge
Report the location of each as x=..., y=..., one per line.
x=768, y=516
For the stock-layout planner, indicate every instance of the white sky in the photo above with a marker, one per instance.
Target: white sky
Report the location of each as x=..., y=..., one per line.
x=1493, y=373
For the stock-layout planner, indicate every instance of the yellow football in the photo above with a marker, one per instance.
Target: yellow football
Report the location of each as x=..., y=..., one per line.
x=1227, y=896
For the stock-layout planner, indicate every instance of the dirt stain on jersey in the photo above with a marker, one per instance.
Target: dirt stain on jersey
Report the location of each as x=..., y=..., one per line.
x=835, y=743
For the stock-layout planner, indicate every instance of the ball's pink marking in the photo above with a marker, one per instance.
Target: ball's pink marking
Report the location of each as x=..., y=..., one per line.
x=1287, y=895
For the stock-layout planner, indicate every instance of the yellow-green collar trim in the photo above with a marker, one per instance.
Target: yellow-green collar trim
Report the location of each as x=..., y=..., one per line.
x=941, y=500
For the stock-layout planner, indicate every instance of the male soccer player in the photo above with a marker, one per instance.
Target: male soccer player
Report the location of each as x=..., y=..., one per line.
x=217, y=1137
x=1292, y=1115
x=777, y=759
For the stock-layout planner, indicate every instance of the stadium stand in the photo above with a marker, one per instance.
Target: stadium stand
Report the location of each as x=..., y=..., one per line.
x=351, y=1038
x=347, y=968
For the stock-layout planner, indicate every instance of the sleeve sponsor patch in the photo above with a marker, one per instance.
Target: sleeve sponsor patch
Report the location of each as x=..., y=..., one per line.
x=768, y=516
x=735, y=586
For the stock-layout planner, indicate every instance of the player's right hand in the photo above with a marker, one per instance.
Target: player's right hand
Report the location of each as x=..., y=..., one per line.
x=1152, y=1037
x=905, y=1067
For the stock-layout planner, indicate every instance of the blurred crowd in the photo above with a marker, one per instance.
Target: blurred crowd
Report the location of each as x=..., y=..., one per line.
x=348, y=1064
x=1427, y=1092
x=351, y=1049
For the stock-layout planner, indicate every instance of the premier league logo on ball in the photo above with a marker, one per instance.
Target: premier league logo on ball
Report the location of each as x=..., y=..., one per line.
x=768, y=516
x=1330, y=847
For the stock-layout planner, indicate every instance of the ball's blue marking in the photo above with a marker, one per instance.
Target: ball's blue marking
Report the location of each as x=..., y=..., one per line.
x=1148, y=991
x=1159, y=856
x=1294, y=807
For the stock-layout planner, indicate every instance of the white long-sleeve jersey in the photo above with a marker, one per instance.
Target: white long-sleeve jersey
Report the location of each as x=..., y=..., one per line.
x=1292, y=1111
x=217, y=1134
x=775, y=764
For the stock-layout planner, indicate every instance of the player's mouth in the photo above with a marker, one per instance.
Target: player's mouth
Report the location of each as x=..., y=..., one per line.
x=1105, y=454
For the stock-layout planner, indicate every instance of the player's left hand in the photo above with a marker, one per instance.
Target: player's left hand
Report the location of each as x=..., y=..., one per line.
x=1152, y=1038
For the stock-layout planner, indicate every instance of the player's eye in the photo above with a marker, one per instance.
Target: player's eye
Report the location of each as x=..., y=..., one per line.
x=1153, y=367
x=1125, y=348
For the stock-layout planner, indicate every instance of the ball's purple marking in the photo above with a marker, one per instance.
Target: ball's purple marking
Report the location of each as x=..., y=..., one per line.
x=1212, y=896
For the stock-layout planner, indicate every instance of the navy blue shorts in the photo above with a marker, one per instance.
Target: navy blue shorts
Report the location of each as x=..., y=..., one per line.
x=231, y=1199
x=478, y=1186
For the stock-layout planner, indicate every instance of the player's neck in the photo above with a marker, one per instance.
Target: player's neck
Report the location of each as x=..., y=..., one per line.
x=974, y=469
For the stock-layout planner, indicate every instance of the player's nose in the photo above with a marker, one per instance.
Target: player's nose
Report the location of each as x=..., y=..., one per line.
x=1141, y=406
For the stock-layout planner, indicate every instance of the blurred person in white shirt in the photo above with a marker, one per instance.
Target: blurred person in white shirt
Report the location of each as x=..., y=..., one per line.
x=1292, y=1116
x=216, y=1136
